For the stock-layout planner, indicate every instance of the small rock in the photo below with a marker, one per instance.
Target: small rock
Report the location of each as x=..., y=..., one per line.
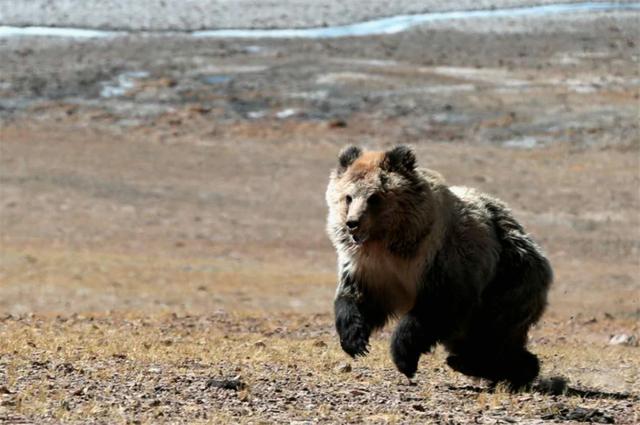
x=80, y=391
x=5, y=390
x=199, y=109
x=338, y=123
x=243, y=395
x=624, y=339
x=344, y=368
x=65, y=368
x=165, y=82
x=31, y=259
x=555, y=385
x=320, y=344
x=234, y=384
x=579, y=414
x=418, y=407
x=260, y=344
x=36, y=364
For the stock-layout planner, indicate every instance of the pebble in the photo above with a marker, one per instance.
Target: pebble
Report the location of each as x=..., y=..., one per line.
x=624, y=339
x=344, y=368
x=227, y=384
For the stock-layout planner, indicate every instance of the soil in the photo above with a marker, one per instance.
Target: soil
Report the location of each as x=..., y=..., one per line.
x=162, y=246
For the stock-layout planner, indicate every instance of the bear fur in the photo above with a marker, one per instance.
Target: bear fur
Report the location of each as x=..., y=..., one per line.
x=451, y=263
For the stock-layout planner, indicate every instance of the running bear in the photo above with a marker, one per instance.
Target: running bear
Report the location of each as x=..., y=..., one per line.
x=451, y=263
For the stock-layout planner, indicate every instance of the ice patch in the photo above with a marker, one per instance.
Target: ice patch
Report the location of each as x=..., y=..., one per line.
x=390, y=25
x=286, y=113
x=8, y=31
x=216, y=79
x=253, y=49
x=232, y=69
x=522, y=143
x=346, y=77
x=396, y=24
x=124, y=82
x=256, y=114
x=311, y=95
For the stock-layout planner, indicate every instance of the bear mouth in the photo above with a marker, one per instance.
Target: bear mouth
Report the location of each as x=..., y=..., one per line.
x=358, y=239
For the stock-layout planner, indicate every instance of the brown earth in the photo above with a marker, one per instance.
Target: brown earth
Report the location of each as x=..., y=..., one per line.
x=168, y=234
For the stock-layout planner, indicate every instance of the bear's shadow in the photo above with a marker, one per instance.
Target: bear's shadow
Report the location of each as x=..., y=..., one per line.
x=553, y=386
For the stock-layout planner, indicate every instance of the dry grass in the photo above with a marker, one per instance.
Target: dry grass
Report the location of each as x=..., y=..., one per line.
x=125, y=368
x=37, y=278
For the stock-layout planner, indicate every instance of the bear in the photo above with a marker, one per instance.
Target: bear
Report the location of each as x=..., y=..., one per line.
x=452, y=264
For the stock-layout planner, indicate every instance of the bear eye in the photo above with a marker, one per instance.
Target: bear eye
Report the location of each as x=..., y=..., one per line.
x=348, y=199
x=374, y=199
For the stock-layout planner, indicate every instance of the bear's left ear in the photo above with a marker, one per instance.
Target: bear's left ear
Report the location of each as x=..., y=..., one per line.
x=401, y=158
x=347, y=156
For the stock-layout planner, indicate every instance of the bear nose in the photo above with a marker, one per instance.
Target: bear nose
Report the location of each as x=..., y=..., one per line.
x=352, y=224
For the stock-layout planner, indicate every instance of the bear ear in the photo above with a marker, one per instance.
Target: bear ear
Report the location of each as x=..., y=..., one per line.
x=401, y=158
x=347, y=156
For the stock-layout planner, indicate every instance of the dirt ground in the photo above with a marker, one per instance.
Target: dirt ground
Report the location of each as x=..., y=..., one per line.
x=162, y=246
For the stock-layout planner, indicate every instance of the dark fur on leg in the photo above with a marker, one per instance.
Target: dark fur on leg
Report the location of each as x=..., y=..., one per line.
x=442, y=308
x=522, y=367
x=465, y=365
x=494, y=345
x=352, y=327
x=410, y=339
x=357, y=314
x=517, y=368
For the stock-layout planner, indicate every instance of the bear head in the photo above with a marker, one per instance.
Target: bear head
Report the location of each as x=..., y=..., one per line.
x=371, y=193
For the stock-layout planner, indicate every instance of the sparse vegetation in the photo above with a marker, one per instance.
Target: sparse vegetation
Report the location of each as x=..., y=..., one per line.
x=127, y=368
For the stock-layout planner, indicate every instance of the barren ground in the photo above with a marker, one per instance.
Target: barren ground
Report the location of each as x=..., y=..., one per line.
x=162, y=251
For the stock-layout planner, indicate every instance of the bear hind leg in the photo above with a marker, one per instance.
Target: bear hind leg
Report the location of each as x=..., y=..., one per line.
x=521, y=367
x=517, y=368
x=495, y=356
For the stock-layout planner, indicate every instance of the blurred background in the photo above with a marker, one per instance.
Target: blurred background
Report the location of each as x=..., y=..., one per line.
x=151, y=162
x=163, y=164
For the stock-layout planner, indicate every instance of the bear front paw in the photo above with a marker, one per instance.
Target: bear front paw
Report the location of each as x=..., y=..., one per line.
x=354, y=339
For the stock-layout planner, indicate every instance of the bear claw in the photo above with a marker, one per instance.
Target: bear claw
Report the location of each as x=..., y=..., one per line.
x=354, y=340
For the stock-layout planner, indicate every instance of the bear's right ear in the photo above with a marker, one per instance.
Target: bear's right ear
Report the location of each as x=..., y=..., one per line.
x=347, y=156
x=401, y=158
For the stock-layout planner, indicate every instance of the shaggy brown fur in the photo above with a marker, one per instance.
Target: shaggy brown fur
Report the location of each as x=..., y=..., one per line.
x=452, y=263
